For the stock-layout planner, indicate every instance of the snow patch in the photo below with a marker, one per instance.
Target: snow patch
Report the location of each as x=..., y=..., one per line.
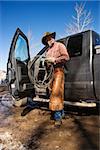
x=2, y=75
x=8, y=142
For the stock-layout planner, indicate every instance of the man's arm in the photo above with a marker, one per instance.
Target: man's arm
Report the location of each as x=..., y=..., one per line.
x=64, y=56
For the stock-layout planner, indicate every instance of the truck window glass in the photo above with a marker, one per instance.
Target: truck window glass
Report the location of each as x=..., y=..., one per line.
x=74, y=46
x=96, y=41
x=21, y=51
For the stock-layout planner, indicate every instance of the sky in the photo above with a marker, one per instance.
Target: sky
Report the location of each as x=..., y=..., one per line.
x=38, y=17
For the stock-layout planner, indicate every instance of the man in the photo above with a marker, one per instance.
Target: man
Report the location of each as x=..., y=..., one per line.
x=57, y=54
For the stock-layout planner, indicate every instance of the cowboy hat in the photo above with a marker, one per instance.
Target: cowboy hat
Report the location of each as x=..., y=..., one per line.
x=46, y=35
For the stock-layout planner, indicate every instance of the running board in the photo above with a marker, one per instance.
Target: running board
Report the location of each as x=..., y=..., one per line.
x=79, y=104
x=38, y=99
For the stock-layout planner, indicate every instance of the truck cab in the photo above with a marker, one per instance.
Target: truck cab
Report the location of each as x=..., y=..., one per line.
x=82, y=73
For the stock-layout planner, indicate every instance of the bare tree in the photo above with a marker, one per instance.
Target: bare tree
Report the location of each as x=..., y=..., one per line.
x=33, y=46
x=82, y=20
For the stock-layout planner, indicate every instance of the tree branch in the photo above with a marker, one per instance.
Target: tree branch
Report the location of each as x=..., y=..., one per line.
x=81, y=20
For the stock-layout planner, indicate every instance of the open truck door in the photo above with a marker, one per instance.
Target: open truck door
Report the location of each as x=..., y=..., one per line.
x=17, y=70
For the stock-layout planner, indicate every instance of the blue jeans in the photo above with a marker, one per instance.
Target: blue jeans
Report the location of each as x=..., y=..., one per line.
x=58, y=115
x=32, y=103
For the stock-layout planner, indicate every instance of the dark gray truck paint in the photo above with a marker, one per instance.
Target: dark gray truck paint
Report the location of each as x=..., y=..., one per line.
x=82, y=78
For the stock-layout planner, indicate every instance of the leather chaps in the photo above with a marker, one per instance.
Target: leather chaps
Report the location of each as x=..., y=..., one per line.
x=57, y=92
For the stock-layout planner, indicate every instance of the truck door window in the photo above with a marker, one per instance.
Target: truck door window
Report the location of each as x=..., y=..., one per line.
x=74, y=46
x=96, y=43
x=21, y=50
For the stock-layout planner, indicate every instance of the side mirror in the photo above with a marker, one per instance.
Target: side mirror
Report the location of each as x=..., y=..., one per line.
x=97, y=49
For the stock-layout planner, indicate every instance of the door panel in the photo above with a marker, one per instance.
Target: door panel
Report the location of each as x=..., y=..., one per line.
x=17, y=69
x=75, y=68
x=96, y=64
x=97, y=75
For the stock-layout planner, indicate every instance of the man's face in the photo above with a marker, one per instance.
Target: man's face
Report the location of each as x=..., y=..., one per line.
x=50, y=40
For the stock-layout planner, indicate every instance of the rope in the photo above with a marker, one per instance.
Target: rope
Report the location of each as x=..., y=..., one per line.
x=34, y=70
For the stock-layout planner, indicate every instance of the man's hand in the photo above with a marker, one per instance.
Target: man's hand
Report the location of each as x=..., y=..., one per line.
x=50, y=59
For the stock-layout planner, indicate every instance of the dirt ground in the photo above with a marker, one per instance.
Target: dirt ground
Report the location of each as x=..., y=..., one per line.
x=35, y=130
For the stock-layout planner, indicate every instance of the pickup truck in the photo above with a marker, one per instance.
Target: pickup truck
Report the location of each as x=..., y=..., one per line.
x=28, y=77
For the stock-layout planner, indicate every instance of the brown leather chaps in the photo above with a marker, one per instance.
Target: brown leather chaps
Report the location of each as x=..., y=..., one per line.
x=57, y=93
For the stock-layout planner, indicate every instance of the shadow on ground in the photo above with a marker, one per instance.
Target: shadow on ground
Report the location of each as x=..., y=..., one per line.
x=80, y=131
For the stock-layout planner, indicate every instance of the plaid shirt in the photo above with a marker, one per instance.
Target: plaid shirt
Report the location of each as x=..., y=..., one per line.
x=59, y=52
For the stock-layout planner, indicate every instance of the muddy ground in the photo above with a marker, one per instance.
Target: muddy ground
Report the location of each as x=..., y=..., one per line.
x=35, y=130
